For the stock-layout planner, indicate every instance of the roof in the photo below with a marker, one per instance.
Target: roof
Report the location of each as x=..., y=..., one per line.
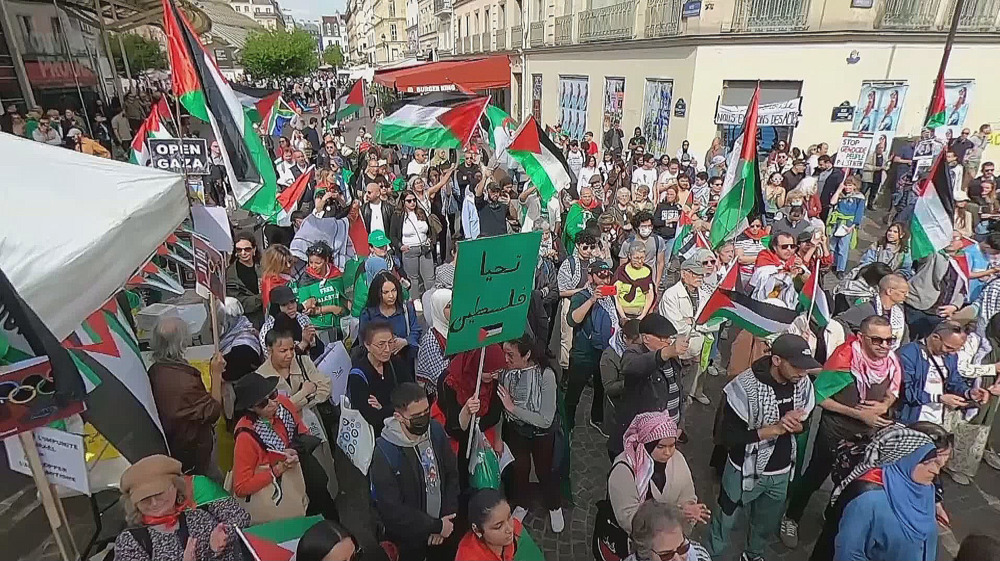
x=227, y=24
x=469, y=75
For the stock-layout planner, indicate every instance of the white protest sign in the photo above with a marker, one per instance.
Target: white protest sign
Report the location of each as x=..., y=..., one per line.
x=335, y=363
x=780, y=114
x=61, y=454
x=853, y=150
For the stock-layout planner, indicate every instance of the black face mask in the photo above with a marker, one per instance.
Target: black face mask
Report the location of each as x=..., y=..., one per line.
x=419, y=424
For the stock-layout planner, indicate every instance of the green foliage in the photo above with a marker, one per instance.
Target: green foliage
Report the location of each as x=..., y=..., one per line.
x=143, y=54
x=280, y=54
x=333, y=56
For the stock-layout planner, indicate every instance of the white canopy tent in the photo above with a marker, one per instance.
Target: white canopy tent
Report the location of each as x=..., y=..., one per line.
x=75, y=227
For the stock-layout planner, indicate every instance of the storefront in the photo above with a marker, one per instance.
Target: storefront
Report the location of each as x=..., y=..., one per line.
x=482, y=76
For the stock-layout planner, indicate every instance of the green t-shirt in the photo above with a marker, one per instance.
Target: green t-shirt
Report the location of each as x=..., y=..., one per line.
x=326, y=292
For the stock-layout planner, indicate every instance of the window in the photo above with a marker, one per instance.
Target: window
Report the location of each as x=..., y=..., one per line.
x=486, y=20
x=27, y=29
x=392, y=32
x=392, y=8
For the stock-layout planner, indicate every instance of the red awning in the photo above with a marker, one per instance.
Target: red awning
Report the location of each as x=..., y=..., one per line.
x=447, y=75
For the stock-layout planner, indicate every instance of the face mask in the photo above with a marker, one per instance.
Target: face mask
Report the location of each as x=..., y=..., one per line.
x=645, y=231
x=419, y=424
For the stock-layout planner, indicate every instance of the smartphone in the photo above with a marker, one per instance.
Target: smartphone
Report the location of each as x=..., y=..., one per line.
x=607, y=290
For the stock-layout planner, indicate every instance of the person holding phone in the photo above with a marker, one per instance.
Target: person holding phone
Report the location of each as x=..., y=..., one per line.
x=594, y=319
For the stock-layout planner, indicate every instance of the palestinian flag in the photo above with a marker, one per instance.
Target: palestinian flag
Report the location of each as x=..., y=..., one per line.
x=741, y=195
x=960, y=263
x=936, y=116
x=351, y=102
x=289, y=198
x=835, y=376
x=933, y=223
x=693, y=243
x=206, y=95
x=541, y=159
x=266, y=107
x=277, y=541
x=152, y=127
x=760, y=318
x=685, y=239
x=499, y=129
x=119, y=398
x=253, y=100
x=437, y=120
x=814, y=301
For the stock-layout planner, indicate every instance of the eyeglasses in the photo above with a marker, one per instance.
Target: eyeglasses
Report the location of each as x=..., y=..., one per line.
x=382, y=344
x=270, y=397
x=669, y=554
x=244, y=249
x=788, y=246
x=879, y=341
x=708, y=262
x=584, y=246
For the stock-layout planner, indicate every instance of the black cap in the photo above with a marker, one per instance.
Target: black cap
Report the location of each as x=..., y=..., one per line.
x=795, y=350
x=281, y=295
x=655, y=324
x=252, y=389
x=805, y=236
x=598, y=266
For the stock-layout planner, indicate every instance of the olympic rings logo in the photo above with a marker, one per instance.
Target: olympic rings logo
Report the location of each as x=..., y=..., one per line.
x=27, y=390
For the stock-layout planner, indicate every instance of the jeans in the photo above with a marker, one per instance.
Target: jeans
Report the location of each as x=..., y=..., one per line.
x=764, y=504
x=823, y=456
x=419, y=267
x=525, y=450
x=580, y=370
x=565, y=334
x=841, y=248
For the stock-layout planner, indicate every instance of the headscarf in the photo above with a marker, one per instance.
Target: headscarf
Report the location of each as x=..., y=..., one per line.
x=870, y=372
x=462, y=372
x=645, y=428
x=434, y=310
x=911, y=502
x=888, y=446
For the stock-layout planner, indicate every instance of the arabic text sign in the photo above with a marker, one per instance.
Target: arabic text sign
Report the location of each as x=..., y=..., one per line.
x=853, y=150
x=780, y=114
x=179, y=155
x=209, y=269
x=494, y=278
x=62, y=456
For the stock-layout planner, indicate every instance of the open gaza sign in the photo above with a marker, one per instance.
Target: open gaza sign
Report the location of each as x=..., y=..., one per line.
x=179, y=155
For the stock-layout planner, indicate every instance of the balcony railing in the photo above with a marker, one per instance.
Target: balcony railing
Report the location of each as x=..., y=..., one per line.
x=500, y=36
x=477, y=43
x=468, y=44
x=977, y=15
x=763, y=16
x=663, y=18
x=564, y=30
x=487, y=41
x=908, y=14
x=607, y=23
x=516, y=37
x=536, y=33
x=442, y=7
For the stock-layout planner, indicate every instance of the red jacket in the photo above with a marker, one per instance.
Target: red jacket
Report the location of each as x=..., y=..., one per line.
x=471, y=547
x=248, y=456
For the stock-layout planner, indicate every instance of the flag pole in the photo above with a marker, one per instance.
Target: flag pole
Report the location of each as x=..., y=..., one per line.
x=474, y=421
x=952, y=31
x=812, y=301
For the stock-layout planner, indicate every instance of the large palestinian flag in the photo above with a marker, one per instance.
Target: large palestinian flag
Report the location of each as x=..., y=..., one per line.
x=289, y=198
x=152, y=127
x=933, y=223
x=741, y=195
x=760, y=318
x=437, y=120
x=351, y=102
x=277, y=541
x=206, y=95
x=541, y=159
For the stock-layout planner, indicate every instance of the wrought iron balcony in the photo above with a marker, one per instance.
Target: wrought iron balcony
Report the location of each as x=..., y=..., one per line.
x=443, y=7
x=663, y=18
x=610, y=22
x=516, y=37
x=768, y=16
x=908, y=14
x=500, y=36
x=487, y=41
x=977, y=15
x=477, y=43
x=536, y=33
x=564, y=30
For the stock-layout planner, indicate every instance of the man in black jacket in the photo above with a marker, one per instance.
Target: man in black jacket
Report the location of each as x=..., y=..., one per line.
x=414, y=478
x=375, y=212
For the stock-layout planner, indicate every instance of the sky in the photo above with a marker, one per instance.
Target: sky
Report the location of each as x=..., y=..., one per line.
x=311, y=9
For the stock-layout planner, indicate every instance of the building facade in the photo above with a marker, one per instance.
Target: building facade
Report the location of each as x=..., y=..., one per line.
x=267, y=13
x=427, y=27
x=361, y=31
x=389, y=37
x=677, y=68
x=333, y=31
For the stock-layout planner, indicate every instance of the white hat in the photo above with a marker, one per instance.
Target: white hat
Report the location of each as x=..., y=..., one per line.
x=74, y=132
x=961, y=196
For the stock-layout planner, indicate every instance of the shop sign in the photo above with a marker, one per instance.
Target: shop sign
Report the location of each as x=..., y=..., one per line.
x=691, y=9
x=842, y=113
x=780, y=114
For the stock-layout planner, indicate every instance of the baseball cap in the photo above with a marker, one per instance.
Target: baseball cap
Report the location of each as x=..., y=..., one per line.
x=693, y=266
x=795, y=350
x=805, y=236
x=598, y=266
x=378, y=239
x=282, y=295
x=657, y=325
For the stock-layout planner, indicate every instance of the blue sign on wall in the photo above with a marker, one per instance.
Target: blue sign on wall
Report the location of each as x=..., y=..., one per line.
x=691, y=9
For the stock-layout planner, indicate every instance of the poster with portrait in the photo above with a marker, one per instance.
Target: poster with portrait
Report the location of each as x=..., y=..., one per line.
x=657, y=103
x=880, y=106
x=573, y=93
x=536, y=96
x=957, y=99
x=614, y=96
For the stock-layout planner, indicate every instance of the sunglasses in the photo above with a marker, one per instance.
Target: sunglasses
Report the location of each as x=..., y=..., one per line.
x=410, y=201
x=584, y=246
x=788, y=246
x=244, y=249
x=881, y=340
x=270, y=397
x=671, y=553
x=708, y=262
x=603, y=274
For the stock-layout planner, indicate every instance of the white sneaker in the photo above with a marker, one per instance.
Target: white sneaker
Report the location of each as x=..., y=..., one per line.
x=556, y=520
x=519, y=513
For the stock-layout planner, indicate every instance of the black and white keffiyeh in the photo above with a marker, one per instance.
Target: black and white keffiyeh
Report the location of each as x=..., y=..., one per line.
x=888, y=446
x=754, y=402
x=267, y=434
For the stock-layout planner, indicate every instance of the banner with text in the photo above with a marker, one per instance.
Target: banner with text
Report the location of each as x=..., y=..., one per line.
x=780, y=114
x=853, y=150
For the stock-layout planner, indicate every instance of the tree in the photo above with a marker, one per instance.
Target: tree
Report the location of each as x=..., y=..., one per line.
x=143, y=54
x=280, y=54
x=333, y=56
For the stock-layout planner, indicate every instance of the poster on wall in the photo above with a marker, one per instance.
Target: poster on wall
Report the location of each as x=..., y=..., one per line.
x=657, y=103
x=536, y=96
x=614, y=96
x=957, y=98
x=880, y=106
x=573, y=93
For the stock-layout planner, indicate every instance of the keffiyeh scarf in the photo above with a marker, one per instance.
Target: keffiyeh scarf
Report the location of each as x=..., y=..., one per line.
x=608, y=304
x=888, y=446
x=870, y=372
x=271, y=439
x=754, y=403
x=897, y=322
x=645, y=428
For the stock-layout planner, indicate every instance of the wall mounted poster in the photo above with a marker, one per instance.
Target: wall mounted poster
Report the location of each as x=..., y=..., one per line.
x=880, y=105
x=573, y=94
x=536, y=96
x=657, y=103
x=614, y=96
x=957, y=98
